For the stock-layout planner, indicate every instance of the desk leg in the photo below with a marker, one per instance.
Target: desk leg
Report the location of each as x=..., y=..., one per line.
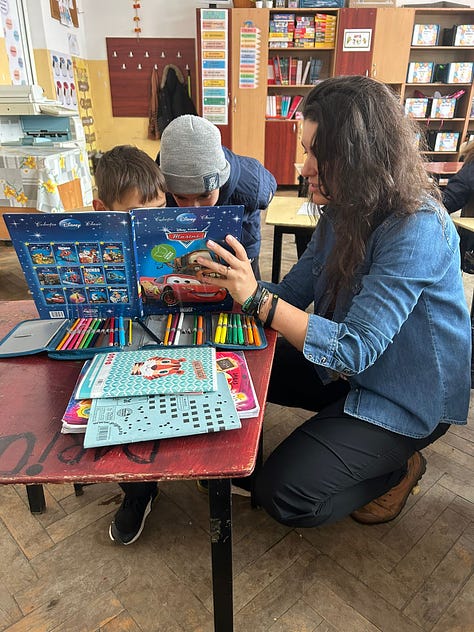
x=220, y=512
x=36, y=499
x=276, y=261
x=302, y=239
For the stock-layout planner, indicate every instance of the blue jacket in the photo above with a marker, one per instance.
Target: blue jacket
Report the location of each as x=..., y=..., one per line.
x=250, y=185
x=460, y=188
x=401, y=335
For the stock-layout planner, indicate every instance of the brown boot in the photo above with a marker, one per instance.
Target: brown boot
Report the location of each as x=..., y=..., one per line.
x=388, y=506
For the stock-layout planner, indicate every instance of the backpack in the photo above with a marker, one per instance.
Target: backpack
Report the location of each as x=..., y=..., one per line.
x=173, y=98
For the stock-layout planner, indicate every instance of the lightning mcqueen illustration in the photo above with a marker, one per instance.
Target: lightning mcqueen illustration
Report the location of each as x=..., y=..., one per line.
x=172, y=289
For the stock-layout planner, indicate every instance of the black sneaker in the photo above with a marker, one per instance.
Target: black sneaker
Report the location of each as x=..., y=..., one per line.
x=130, y=519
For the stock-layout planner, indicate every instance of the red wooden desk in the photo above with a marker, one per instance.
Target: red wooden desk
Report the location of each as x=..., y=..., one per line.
x=34, y=391
x=442, y=170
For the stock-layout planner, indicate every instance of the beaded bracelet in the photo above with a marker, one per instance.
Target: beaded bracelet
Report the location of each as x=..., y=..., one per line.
x=271, y=313
x=250, y=305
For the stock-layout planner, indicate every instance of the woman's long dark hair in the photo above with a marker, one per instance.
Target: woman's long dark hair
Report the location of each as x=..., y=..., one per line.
x=369, y=163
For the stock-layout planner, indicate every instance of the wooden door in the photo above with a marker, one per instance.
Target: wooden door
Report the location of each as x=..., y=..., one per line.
x=392, y=41
x=248, y=104
x=281, y=139
x=352, y=55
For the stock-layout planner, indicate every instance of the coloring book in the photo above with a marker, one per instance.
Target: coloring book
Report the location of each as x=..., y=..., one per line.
x=234, y=366
x=132, y=419
x=150, y=372
x=128, y=264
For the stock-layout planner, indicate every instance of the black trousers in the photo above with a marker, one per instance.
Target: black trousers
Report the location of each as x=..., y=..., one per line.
x=333, y=463
x=330, y=465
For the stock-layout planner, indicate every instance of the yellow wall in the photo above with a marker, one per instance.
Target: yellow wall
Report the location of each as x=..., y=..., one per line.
x=4, y=65
x=44, y=72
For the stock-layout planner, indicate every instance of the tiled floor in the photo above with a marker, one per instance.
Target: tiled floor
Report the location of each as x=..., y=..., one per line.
x=60, y=572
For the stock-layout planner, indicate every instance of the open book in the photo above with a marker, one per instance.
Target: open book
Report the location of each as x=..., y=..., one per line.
x=130, y=264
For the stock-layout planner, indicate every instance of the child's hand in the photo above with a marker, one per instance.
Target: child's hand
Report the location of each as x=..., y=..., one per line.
x=237, y=276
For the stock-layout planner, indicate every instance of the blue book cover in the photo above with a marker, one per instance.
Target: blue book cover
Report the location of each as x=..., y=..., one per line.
x=168, y=242
x=99, y=264
x=150, y=372
x=132, y=419
x=77, y=264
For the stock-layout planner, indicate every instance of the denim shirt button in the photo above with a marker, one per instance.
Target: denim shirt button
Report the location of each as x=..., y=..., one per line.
x=323, y=360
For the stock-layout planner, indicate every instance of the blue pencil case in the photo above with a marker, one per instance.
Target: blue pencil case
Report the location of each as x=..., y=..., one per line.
x=49, y=335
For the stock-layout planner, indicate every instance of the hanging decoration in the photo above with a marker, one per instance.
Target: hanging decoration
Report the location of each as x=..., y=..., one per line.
x=136, y=19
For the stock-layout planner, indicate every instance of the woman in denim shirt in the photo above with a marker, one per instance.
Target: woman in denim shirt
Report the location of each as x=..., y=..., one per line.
x=385, y=357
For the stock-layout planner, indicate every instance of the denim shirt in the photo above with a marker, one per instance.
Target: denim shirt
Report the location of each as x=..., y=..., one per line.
x=401, y=334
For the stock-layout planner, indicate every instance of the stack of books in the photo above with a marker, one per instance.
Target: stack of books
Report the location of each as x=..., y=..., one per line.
x=325, y=30
x=282, y=29
x=282, y=106
x=139, y=396
x=304, y=31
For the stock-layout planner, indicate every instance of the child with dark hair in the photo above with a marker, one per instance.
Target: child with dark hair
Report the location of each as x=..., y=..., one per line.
x=126, y=177
x=384, y=357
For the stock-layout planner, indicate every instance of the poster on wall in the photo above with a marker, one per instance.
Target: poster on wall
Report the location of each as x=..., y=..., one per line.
x=13, y=42
x=249, y=56
x=357, y=40
x=214, y=71
x=63, y=73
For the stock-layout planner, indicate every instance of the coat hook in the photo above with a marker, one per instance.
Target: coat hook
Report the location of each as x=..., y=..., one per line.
x=130, y=54
x=124, y=67
x=155, y=66
x=178, y=54
x=114, y=54
x=163, y=54
x=187, y=67
x=147, y=54
x=139, y=67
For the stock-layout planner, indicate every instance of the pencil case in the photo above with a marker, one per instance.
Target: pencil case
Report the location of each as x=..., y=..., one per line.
x=45, y=335
x=238, y=331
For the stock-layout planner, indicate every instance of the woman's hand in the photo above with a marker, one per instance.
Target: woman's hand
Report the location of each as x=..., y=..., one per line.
x=236, y=274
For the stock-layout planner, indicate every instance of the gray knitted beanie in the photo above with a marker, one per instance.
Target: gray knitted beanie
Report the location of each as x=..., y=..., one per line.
x=191, y=156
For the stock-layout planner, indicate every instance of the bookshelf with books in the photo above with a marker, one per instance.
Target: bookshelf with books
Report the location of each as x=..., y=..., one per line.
x=438, y=89
x=301, y=46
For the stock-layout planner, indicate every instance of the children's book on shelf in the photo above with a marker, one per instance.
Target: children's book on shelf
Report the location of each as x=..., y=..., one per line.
x=234, y=365
x=420, y=71
x=425, y=35
x=116, y=421
x=150, y=372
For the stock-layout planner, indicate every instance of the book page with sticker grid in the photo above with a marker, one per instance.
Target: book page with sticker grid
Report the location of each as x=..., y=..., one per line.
x=132, y=419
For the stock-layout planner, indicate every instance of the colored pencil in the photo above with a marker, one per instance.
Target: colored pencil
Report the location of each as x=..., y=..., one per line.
x=111, y=331
x=174, y=324
x=93, y=342
x=195, y=327
x=84, y=327
x=169, y=320
x=151, y=333
x=130, y=329
x=95, y=324
x=224, y=329
x=68, y=333
x=249, y=330
x=244, y=327
x=217, y=336
x=121, y=332
x=70, y=344
x=256, y=333
x=179, y=328
x=240, y=332
x=230, y=328
x=116, y=332
x=200, y=330
x=103, y=331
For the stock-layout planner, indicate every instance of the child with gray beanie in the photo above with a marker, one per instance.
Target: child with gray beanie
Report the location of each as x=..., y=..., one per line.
x=199, y=171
